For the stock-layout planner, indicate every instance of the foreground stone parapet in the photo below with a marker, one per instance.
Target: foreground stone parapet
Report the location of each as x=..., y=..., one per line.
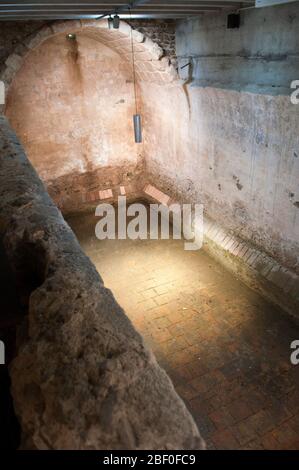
x=83, y=378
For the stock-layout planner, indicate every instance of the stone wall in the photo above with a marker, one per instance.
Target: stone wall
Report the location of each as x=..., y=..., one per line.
x=77, y=96
x=13, y=35
x=78, y=99
x=161, y=32
x=82, y=378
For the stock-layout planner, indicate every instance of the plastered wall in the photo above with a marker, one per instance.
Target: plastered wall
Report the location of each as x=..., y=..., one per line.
x=233, y=150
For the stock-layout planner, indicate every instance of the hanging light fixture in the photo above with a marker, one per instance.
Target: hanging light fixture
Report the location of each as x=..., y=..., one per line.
x=137, y=128
x=137, y=116
x=116, y=21
x=71, y=36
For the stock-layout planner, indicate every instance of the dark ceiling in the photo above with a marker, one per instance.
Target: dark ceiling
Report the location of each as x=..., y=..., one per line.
x=88, y=9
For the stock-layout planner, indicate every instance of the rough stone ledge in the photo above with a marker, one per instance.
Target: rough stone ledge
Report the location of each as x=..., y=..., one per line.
x=83, y=378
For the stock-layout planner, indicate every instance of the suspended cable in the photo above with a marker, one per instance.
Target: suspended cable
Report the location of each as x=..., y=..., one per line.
x=136, y=117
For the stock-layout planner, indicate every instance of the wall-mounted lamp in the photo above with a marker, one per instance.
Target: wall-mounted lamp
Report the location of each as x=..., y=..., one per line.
x=116, y=21
x=71, y=37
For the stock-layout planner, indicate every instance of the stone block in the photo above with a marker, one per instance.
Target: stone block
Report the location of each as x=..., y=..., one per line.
x=14, y=62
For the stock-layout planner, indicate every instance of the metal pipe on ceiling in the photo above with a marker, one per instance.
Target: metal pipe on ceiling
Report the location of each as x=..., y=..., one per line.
x=96, y=10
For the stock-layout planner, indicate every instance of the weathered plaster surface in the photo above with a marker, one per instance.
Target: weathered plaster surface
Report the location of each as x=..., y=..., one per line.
x=237, y=153
x=83, y=378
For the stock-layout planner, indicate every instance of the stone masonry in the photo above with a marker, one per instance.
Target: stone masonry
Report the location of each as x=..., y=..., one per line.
x=160, y=32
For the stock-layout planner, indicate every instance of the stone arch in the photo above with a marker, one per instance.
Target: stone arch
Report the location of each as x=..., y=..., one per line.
x=151, y=63
x=88, y=155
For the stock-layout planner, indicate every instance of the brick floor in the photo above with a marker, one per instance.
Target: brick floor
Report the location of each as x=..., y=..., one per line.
x=226, y=349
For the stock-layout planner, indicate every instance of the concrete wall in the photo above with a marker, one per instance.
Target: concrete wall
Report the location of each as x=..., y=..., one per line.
x=261, y=56
x=237, y=152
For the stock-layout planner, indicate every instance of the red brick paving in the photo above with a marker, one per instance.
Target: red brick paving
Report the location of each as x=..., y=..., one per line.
x=226, y=349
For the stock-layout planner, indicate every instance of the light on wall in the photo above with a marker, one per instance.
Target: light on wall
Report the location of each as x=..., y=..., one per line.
x=71, y=37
